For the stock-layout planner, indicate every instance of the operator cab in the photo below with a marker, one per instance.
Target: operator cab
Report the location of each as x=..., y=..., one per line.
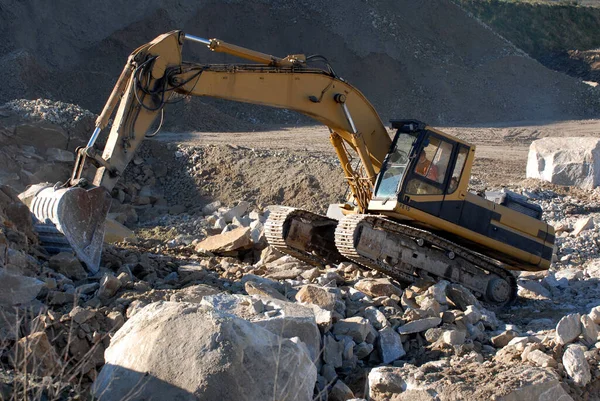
x=424, y=182
x=423, y=170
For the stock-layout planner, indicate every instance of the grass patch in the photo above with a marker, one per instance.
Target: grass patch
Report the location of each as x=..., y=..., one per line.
x=540, y=27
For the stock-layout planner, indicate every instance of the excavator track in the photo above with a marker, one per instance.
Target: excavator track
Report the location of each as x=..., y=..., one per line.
x=407, y=253
x=304, y=235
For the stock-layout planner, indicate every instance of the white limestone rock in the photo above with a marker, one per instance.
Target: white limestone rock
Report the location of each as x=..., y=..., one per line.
x=185, y=351
x=568, y=328
x=565, y=161
x=576, y=365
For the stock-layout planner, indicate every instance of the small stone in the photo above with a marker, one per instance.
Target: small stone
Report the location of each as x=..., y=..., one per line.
x=534, y=286
x=328, y=372
x=454, y=337
x=310, y=274
x=356, y=327
x=16, y=289
x=117, y=320
x=438, y=291
x=576, y=365
x=39, y=356
x=340, y=392
x=236, y=239
x=390, y=345
x=568, y=328
x=313, y=294
x=471, y=357
x=363, y=350
x=502, y=340
x=378, y=287
x=323, y=318
x=586, y=223
x=58, y=298
x=211, y=208
x=434, y=334
x=170, y=278
x=109, y=285
x=460, y=296
x=332, y=351
x=376, y=318
x=541, y=359
x=595, y=314
x=263, y=290
x=420, y=325
x=430, y=306
x=348, y=353
x=220, y=223
x=238, y=211
x=81, y=315
x=448, y=317
x=125, y=278
x=472, y=314
x=569, y=274
x=194, y=293
x=66, y=263
x=519, y=342
x=589, y=330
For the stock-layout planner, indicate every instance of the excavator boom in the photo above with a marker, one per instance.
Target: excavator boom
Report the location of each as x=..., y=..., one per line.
x=155, y=74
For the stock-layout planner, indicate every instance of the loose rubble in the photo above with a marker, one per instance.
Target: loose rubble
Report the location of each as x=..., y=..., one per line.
x=353, y=332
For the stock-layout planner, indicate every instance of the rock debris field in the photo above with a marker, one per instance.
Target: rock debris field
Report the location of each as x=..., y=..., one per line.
x=199, y=306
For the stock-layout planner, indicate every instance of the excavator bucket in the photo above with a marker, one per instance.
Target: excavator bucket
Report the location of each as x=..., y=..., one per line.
x=70, y=219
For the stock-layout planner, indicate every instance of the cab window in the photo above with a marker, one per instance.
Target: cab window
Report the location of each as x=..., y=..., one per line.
x=461, y=158
x=431, y=167
x=395, y=166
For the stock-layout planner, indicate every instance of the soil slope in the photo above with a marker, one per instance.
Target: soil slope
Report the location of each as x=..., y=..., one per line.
x=426, y=60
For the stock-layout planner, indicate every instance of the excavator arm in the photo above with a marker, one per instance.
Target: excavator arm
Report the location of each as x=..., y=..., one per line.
x=155, y=76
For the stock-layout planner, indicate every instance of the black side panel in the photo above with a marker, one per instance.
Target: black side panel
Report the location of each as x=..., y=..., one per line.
x=451, y=210
x=433, y=208
x=477, y=218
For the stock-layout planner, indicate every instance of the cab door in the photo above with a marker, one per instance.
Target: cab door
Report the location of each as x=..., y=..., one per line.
x=454, y=198
x=425, y=184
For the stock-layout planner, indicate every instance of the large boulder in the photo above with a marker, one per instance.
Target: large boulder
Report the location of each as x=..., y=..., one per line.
x=286, y=319
x=183, y=351
x=565, y=161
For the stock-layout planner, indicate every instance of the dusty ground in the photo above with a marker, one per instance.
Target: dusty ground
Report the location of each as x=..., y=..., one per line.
x=501, y=154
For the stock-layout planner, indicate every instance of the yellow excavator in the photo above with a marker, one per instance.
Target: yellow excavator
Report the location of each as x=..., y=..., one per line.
x=409, y=214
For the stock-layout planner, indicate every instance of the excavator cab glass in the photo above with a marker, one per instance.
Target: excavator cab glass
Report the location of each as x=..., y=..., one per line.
x=430, y=169
x=395, y=165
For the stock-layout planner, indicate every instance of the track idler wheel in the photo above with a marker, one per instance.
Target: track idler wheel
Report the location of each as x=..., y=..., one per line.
x=498, y=291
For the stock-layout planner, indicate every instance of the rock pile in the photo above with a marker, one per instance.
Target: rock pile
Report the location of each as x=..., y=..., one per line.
x=62, y=114
x=38, y=139
x=171, y=179
x=351, y=331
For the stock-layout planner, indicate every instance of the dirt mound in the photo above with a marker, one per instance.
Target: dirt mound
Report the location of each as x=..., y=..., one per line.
x=193, y=176
x=427, y=60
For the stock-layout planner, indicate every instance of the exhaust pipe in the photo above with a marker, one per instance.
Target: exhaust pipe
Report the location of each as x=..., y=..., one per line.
x=76, y=213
